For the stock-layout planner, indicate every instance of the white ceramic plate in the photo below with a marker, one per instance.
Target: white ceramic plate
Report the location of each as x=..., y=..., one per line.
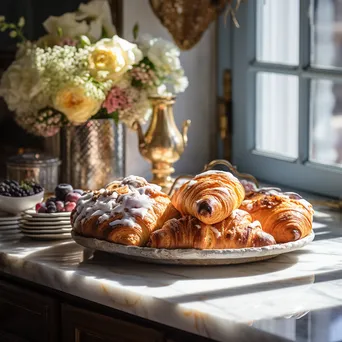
x=193, y=256
x=49, y=236
x=5, y=219
x=9, y=227
x=45, y=219
x=10, y=232
x=62, y=226
x=40, y=215
x=46, y=223
x=6, y=223
x=43, y=231
x=9, y=223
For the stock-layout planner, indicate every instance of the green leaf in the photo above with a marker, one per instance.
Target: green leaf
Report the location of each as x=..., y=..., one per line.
x=115, y=116
x=2, y=18
x=104, y=33
x=84, y=41
x=136, y=83
x=21, y=22
x=59, y=32
x=136, y=31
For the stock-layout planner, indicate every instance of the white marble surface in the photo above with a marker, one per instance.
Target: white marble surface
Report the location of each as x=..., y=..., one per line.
x=282, y=296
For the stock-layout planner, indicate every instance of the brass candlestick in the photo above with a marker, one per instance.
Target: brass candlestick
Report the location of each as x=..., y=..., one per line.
x=162, y=144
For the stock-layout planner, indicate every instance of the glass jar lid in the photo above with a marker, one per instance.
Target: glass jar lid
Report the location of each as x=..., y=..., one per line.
x=32, y=159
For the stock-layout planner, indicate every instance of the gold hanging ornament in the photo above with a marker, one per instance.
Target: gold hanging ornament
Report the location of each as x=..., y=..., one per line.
x=187, y=20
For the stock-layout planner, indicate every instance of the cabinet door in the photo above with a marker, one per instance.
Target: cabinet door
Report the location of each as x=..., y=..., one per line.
x=27, y=314
x=83, y=326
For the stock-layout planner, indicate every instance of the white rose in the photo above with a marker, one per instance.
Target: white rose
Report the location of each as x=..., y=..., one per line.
x=67, y=22
x=145, y=42
x=20, y=87
x=111, y=58
x=164, y=55
x=98, y=14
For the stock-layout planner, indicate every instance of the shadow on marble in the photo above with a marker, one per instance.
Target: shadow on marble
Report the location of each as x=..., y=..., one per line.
x=135, y=273
x=325, y=235
x=66, y=253
x=245, y=289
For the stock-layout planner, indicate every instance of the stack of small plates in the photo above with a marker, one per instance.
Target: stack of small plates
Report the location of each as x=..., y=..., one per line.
x=54, y=226
x=9, y=224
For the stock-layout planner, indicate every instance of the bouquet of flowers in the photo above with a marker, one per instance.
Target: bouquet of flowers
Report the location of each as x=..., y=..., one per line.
x=82, y=70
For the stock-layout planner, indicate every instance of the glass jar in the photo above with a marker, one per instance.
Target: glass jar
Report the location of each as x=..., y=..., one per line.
x=34, y=166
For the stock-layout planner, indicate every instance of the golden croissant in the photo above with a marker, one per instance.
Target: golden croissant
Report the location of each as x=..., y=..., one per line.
x=285, y=218
x=124, y=213
x=236, y=231
x=210, y=196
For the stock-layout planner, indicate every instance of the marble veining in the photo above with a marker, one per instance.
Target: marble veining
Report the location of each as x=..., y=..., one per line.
x=280, y=296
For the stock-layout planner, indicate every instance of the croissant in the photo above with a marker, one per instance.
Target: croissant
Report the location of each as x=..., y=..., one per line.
x=125, y=213
x=285, y=218
x=236, y=231
x=210, y=196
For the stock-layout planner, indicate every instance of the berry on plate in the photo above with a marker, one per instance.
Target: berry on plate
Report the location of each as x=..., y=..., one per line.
x=62, y=190
x=72, y=197
x=60, y=206
x=70, y=206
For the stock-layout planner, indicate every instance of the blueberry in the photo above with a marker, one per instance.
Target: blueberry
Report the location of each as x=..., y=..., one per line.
x=37, y=189
x=51, y=204
x=51, y=200
x=51, y=210
x=7, y=194
x=7, y=182
x=62, y=190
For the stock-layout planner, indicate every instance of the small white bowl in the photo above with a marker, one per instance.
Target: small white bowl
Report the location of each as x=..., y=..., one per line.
x=15, y=205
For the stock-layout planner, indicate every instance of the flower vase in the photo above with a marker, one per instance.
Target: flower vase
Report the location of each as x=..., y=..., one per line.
x=92, y=154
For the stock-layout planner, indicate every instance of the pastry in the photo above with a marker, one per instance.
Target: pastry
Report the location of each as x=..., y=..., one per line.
x=124, y=213
x=210, y=196
x=287, y=217
x=236, y=231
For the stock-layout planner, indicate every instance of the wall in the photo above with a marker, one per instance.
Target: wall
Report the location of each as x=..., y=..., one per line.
x=196, y=103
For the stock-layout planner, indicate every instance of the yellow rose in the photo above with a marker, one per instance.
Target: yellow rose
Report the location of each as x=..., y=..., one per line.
x=73, y=102
x=111, y=58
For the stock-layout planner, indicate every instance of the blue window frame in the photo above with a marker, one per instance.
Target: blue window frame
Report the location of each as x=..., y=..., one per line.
x=283, y=109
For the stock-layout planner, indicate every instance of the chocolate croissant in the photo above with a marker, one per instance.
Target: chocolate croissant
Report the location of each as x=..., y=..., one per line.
x=126, y=213
x=236, y=231
x=210, y=196
x=285, y=218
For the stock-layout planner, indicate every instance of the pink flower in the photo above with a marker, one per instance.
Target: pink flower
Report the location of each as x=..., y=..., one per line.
x=67, y=41
x=116, y=99
x=144, y=74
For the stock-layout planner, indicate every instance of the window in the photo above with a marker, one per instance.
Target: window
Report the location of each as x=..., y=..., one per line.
x=287, y=93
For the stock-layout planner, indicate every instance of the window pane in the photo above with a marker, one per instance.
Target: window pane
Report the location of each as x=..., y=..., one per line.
x=277, y=114
x=326, y=122
x=326, y=33
x=278, y=31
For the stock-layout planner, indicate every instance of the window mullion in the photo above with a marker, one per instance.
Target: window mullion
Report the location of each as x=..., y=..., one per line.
x=304, y=83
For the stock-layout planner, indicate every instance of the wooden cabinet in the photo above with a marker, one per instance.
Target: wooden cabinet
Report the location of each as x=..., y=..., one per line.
x=85, y=326
x=28, y=315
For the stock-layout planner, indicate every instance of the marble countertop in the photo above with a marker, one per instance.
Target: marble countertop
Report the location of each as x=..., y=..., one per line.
x=296, y=296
